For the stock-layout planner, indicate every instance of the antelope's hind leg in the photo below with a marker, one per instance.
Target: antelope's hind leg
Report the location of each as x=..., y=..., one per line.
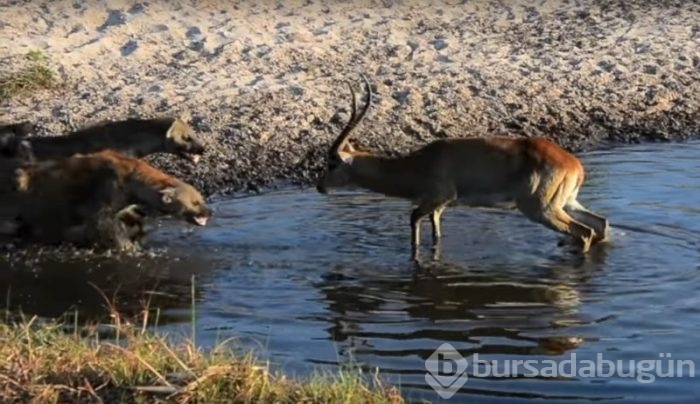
x=556, y=218
x=598, y=223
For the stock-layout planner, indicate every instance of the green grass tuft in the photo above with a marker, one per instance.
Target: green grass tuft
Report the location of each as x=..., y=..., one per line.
x=30, y=73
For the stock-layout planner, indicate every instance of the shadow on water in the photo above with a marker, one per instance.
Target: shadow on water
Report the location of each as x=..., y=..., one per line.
x=315, y=282
x=50, y=283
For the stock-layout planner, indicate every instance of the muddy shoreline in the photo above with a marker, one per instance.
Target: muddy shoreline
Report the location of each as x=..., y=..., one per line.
x=263, y=83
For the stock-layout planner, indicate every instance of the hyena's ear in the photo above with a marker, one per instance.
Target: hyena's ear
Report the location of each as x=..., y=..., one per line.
x=168, y=195
x=178, y=126
x=171, y=130
x=25, y=152
x=24, y=129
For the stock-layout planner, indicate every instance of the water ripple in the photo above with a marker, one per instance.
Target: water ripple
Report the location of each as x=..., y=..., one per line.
x=323, y=280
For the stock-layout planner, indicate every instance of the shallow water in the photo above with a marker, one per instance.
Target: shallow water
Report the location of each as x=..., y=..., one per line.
x=313, y=282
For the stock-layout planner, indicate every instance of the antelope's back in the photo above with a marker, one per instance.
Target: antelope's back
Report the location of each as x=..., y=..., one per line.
x=550, y=156
x=495, y=169
x=483, y=164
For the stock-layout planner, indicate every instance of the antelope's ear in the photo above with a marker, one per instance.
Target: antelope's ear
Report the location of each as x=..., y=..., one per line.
x=168, y=194
x=347, y=148
x=346, y=153
x=346, y=157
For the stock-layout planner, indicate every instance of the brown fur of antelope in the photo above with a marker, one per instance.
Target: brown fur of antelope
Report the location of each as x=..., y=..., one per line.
x=535, y=174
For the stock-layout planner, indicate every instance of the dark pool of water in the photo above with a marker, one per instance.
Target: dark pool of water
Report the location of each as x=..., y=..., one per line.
x=312, y=282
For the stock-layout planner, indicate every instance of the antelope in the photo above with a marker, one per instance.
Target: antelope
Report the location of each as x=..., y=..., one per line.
x=539, y=177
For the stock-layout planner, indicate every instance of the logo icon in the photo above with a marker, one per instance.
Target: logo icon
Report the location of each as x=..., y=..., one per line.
x=446, y=370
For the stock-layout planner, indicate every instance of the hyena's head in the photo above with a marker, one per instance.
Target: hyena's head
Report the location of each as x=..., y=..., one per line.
x=13, y=142
x=20, y=129
x=180, y=139
x=185, y=201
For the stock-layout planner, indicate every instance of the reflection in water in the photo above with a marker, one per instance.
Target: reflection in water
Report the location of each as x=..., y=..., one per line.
x=482, y=309
x=314, y=281
x=477, y=305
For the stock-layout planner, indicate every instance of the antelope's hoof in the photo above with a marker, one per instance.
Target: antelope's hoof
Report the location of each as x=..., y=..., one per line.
x=603, y=237
x=599, y=238
x=582, y=244
x=586, y=244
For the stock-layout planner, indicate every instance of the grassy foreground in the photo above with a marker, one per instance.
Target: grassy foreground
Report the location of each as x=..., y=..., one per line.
x=42, y=363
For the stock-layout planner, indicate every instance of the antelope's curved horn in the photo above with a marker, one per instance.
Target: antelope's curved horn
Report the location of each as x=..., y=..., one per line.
x=340, y=141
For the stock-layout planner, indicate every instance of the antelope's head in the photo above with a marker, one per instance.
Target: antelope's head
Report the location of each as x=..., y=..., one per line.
x=341, y=153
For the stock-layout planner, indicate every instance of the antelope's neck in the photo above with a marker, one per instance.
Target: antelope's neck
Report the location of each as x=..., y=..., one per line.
x=386, y=175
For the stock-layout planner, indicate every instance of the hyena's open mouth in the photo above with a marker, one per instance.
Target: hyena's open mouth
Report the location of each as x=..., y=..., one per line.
x=193, y=157
x=200, y=220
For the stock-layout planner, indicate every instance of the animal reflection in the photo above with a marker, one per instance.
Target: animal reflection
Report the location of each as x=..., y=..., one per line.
x=481, y=310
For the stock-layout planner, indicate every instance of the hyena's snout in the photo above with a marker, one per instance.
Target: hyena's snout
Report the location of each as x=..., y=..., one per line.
x=191, y=151
x=200, y=216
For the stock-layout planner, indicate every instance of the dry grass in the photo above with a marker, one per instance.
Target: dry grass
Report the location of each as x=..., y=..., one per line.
x=41, y=363
x=29, y=74
x=48, y=361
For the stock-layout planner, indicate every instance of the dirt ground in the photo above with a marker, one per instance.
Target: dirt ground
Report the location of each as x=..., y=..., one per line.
x=263, y=82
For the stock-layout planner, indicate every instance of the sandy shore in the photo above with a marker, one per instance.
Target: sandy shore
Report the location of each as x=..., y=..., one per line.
x=264, y=83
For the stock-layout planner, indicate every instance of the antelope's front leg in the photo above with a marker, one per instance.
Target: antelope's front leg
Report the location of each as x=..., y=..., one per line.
x=435, y=217
x=416, y=218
